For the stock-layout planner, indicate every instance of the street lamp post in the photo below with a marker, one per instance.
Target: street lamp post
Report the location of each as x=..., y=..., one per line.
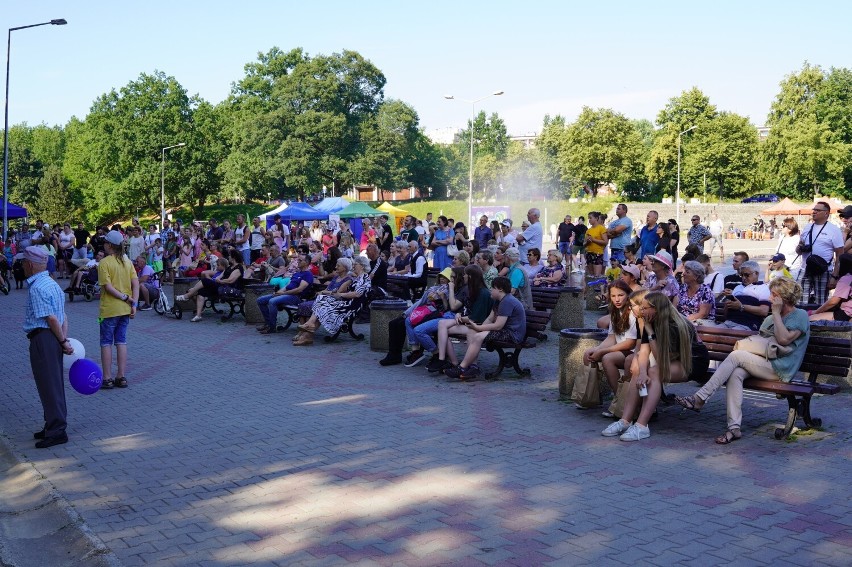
x=163, y=184
x=57, y=22
x=677, y=197
x=470, y=173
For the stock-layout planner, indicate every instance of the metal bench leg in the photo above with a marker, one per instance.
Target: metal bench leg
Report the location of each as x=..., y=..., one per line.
x=810, y=422
x=792, y=413
x=332, y=338
x=513, y=358
x=353, y=334
x=502, y=363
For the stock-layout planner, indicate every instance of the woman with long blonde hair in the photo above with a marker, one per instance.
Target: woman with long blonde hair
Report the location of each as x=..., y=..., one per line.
x=676, y=361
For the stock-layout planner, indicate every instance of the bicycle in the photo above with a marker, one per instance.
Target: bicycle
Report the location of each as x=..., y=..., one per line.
x=161, y=304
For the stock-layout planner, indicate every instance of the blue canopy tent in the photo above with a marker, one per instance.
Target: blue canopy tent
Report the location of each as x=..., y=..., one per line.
x=13, y=211
x=269, y=215
x=332, y=204
x=300, y=212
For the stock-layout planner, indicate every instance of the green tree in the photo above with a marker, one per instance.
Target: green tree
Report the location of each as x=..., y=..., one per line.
x=25, y=169
x=297, y=122
x=53, y=204
x=116, y=157
x=726, y=150
x=807, y=151
x=490, y=146
x=602, y=147
x=691, y=108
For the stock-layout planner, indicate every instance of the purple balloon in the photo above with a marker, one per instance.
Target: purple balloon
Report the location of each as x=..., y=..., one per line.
x=85, y=376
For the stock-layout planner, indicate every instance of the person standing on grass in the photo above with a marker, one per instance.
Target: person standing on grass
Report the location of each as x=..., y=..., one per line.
x=119, y=300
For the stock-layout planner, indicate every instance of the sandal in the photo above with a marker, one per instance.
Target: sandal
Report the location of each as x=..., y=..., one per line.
x=107, y=384
x=729, y=437
x=689, y=402
x=308, y=329
x=121, y=382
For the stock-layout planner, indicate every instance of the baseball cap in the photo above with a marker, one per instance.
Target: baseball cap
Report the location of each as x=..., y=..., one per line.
x=632, y=270
x=778, y=258
x=507, y=222
x=846, y=212
x=115, y=238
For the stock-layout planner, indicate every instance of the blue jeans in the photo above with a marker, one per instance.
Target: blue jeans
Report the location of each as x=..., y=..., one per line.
x=268, y=305
x=618, y=254
x=422, y=333
x=246, y=257
x=564, y=248
x=114, y=330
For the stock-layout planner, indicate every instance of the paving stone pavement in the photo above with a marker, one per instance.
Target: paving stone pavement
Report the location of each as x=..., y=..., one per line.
x=230, y=448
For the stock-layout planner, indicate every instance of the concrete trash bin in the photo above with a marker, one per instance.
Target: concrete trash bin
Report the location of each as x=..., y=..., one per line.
x=840, y=330
x=180, y=287
x=568, y=311
x=572, y=344
x=250, y=311
x=383, y=312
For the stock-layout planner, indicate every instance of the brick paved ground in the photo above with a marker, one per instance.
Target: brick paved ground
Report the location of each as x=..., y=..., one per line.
x=230, y=448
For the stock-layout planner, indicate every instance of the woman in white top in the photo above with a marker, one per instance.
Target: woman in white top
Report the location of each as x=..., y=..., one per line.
x=316, y=231
x=621, y=340
x=66, y=250
x=787, y=242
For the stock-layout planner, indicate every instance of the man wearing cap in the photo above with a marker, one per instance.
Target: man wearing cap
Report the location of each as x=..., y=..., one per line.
x=532, y=236
x=119, y=300
x=483, y=233
x=698, y=233
x=821, y=245
x=47, y=329
x=510, y=236
x=620, y=233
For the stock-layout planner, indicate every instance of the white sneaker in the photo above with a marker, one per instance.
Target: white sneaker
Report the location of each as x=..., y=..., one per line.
x=636, y=432
x=196, y=319
x=180, y=298
x=615, y=428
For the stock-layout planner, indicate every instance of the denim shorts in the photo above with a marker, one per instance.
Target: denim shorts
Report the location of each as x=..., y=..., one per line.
x=114, y=330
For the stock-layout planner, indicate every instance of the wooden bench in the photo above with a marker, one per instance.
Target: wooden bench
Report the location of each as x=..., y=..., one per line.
x=348, y=323
x=236, y=304
x=509, y=352
x=824, y=355
x=564, y=303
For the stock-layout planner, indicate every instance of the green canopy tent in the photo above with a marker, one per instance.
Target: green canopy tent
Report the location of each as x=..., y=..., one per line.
x=358, y=210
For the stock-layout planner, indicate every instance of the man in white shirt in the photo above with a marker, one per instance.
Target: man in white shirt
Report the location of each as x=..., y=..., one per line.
x=821, y=245
x=532, y=237
x=716, y=227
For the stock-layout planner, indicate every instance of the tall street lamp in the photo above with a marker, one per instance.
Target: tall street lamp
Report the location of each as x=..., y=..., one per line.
x=677, y=198
x=470, y=173
x=163, y=184
x=58, y=22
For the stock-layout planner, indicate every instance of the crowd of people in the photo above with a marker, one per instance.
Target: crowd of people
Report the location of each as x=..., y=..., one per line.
x=326, y=274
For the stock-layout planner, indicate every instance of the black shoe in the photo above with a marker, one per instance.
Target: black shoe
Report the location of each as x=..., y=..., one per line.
x=145, y=307
x=453, y=371
x=38, y=434
x=435, y=364
x=51, y=441
x=390, y=360
x=420, y=356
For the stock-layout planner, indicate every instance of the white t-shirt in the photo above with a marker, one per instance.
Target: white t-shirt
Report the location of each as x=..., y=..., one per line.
x=532, y=239
x=787, y=246
x=825, y=237
x=632, y=331
x=716, y=282
x=715, y=227
x=757, y=291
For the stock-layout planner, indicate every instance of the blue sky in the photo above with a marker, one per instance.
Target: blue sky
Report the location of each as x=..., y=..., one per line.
x=548, y=57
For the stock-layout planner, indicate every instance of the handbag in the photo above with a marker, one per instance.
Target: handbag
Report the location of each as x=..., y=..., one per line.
x=587, y=390
x=422, y=314
x=816, y=265
x=767, y=347
x=452, y=249
x=616, y=407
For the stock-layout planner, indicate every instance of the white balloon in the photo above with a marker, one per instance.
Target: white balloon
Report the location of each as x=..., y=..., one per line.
x=79, y=352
